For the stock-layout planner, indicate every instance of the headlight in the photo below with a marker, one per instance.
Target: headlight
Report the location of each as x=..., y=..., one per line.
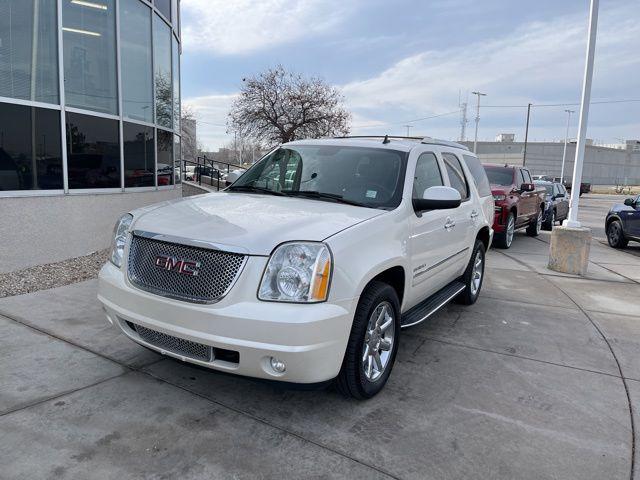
x=499, y=198
x=297, y=272
x=120, y=238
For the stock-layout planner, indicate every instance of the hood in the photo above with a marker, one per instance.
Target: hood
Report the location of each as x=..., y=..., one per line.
x=252, y=223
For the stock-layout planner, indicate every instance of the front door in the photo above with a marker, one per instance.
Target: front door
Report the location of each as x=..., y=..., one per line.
x=633, y=219
x=430, y=237
x=528, y=200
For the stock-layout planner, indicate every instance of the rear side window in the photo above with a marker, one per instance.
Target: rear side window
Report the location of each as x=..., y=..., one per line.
x=478, y=174
x=427, y=174
x=456, y=174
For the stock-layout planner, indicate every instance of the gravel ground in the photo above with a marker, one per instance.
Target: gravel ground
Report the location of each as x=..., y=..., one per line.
x=51, y=275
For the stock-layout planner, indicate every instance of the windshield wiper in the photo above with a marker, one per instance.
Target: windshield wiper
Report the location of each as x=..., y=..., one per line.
x=251, y=188
x=322, y=196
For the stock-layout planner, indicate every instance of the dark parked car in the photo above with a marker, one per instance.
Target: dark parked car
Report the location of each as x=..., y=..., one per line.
x=623, y=223
x=518, y=202
x=556, y=204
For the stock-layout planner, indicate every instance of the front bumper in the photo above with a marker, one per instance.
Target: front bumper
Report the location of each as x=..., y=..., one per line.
x=310, y=339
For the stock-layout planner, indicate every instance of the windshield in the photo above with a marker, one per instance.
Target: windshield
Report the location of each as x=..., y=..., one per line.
x=371, y=177
x=500, y=176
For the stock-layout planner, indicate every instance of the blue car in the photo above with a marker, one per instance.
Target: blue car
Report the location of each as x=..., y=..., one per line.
x=623, y=223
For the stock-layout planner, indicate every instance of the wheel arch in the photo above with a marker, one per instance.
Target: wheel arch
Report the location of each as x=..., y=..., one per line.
x=484, y=236
x=395, y=277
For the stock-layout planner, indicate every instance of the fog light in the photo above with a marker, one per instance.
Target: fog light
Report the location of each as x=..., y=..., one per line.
x=278, y=365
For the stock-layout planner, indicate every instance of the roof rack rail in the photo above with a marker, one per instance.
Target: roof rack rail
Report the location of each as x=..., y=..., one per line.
x=426, y=140
x=446, y=143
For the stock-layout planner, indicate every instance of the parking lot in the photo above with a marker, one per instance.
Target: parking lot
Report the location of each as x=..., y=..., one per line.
x=539, y=379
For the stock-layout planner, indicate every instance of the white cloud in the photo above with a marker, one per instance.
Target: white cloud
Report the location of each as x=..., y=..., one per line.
x=211, y=115
x=242, y=26
x=537, y=62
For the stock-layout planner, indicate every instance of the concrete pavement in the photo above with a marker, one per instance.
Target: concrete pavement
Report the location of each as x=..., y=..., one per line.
x=533, y=381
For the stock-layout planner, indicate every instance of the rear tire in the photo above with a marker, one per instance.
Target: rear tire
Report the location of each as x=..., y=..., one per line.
x=615, y=235
x=473, y=276
x=533, y=230
x=361, y=376
x=505, y=239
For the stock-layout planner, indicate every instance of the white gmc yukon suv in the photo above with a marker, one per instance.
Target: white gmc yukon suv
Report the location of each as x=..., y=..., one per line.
x=307, y=267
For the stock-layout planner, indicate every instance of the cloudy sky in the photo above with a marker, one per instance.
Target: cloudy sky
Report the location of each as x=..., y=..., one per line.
x=409, y=62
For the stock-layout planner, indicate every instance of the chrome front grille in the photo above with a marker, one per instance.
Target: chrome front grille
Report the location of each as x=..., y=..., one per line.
x=216, y=270
x=173, y=344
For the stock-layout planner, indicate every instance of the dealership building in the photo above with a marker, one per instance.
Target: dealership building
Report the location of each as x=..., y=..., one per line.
x=89, y=121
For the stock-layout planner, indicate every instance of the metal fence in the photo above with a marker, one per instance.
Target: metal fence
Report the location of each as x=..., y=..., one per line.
x=208, y=172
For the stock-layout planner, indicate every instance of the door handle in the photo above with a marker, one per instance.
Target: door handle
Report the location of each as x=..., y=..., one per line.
x=450, y=224
x=474, y=214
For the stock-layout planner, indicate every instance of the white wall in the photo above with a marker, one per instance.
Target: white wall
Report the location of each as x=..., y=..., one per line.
x=38, y=230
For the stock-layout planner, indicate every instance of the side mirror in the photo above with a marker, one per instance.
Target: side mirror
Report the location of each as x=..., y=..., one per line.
x=630, y=202
x=437, y=198
x=527, y=187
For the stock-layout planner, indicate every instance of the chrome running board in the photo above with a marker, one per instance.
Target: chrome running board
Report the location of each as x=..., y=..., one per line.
x=431, y=305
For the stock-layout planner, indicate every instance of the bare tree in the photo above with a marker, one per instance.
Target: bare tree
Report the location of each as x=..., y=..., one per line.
x=188, y=127
x=277, y=107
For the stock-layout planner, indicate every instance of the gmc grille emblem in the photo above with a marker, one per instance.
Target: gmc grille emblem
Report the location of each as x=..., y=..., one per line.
x=178, y=265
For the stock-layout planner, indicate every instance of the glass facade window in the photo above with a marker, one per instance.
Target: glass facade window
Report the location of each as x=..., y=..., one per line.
x=176, y=84
x=175, y=14
x=164, y=7
x=30, y=151
x=162, y=58
x=90, y=54
x=93, y=152
x=177, y=156
x=165, y=158
x=136, y=60
x=29, y=50
x=139, y=162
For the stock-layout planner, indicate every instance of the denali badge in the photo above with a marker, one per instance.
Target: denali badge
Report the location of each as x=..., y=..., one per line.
x=185, y=267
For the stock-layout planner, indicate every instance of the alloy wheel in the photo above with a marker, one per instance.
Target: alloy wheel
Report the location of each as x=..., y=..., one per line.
x=378, y=341
x=511, y=226
x=476, y=274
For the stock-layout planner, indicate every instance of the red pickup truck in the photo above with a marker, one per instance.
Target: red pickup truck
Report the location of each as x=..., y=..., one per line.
x=518, y=202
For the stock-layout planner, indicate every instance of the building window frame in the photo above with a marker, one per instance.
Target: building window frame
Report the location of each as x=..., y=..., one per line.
x=120, y=117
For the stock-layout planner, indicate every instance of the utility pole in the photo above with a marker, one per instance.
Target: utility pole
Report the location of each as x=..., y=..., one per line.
x=475, y=140
x=526, y=136
x=566, y=139
x=572, y=221
x=408, y=127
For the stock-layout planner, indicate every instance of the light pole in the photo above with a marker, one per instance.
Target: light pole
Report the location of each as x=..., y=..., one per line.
x=408, y=127
x=566, y=139
x=475, y=140
x=572, y=221
x=526, y=136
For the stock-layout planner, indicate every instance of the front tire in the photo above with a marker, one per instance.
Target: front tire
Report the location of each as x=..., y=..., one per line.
x=505, y=239
x=615, y=235
x=551, y=222
x=473, y=276
x=533, y=230
x=373, y=343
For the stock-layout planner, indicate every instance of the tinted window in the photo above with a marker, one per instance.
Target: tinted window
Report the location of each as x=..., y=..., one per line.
x=29, y=50
x=162, y=59
x=175, y=58
x=370, y=176
x=456, y=174
x=527, y=176
x=165, y=158
x=499, y=175
x=164, y=6
x=137, y=81
x=478, y=174
x=21, y=130
x=138, y=156
x=93, y=152
x=90, y=55
x=427, y=174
